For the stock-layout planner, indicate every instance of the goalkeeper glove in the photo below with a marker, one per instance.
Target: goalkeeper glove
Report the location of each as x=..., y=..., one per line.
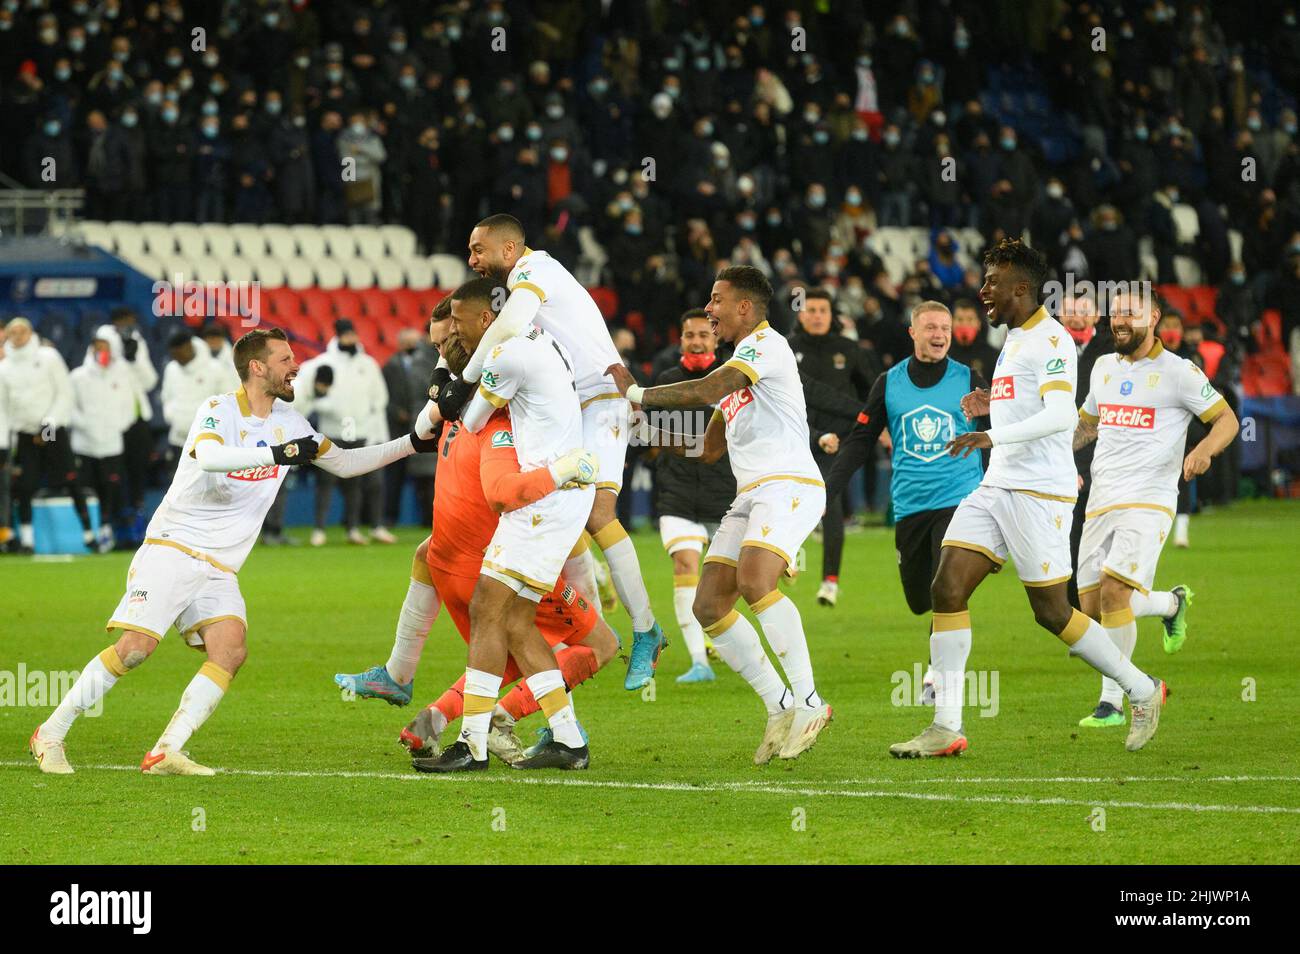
x=130, y=347
x=453, y=398
x=301, y=450
x=577, y=468
x=425, y=445
x=440, y=379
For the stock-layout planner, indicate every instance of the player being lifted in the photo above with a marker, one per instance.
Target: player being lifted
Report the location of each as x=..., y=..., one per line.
x=238, y=453
x=1139, y=403
x=543, y=292
x=761, y=422
x=531, y=373
x=1023, y=506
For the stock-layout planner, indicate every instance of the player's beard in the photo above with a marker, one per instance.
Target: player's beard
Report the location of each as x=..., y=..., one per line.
x=1133, y=344
x=282, y=389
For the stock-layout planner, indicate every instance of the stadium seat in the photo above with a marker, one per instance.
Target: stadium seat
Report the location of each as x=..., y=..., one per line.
x=419, y=273
x=406, y=303
x=429, y=299
x=221, y=243
x=158, y=239
x=250, y=241
x=339, y=241
x=96, y=235
x=606, y=300
x=388, y=274
x=237, y=269
x=267, y=270
x=298, y=274
x=191, y=244
x=377, y=304
x=311, y=243
x=147, y=265
x=358, y=273
x=280, y=242
x=399, y=240
x=282, y=302
x=449, y=271
x=346, y=303
x=1187, y=224
x=329, y=274
x=370, y=242
x=128, y=238
x=1187, y=270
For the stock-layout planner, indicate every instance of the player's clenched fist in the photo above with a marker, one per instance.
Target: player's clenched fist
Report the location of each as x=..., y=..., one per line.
x=975, y=404
x=301, y=450
x=964, y=444
x=577, y=468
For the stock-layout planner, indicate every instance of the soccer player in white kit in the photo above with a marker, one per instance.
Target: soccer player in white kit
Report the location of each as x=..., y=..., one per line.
x=237, y=454
x=542, y=291
x=762, y=423
x=1023, y=507
x=1140, y=401
x=531, y=374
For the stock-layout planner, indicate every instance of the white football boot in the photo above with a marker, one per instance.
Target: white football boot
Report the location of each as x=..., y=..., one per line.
x=49, y=755
x=172, y=762
x=804, y=729
x=774, y=736
x=935, y=742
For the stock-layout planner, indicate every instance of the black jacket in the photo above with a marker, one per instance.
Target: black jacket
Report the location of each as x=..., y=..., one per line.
x=686, y=487
x=841, y=381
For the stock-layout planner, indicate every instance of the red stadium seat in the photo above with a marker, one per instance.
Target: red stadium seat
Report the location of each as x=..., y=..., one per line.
x=1270, y=328
x=606, y=300
x=282, y=301
x=346, y=302
x=1202, y=301
x=429, y=299
x=376, y=303
x=317, y=304
x=405, y=300
x=1266, y=374
x=1177, y=298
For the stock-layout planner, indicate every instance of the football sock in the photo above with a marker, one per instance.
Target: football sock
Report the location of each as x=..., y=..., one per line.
x=783, y=627
x=624, y=566
x=199, y=701
x=683, y=601
x=737, y=643
x=1160, y=604
x=91, y=686
x=1089, y=641
x=950, y=639
x=548, y=689
x=580, y=570
x=1122, y=629
x=419, y=610
x=26, y=536
x=452, y=702
x=481, y=690
x=577, y=665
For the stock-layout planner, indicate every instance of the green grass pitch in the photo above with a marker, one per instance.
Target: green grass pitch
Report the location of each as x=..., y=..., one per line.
x=308, y=777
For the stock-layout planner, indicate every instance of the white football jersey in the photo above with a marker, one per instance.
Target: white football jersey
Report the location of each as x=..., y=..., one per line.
x=219, y=516
x=569, y=314
x=1142, y=409
x=532, y=374
x=1036, y=358
x=767, y=422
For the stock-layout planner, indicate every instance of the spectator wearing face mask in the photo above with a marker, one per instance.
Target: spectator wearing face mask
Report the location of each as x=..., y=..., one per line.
x=1050, y=221
x=108, y=168
x=49, y=157
x=363, y=194
x=211, y=154
x=171, y=163
x=969, y=341
x=103, y=407
x=943, y=259
x=345, y=389
x=894, y=182
x=1110, y=247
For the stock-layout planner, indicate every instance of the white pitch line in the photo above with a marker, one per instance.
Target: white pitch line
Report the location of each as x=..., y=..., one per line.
x=735, y=787
x=1055, y=780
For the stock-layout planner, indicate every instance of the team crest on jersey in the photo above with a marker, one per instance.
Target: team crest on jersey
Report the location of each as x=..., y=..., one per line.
x=1055, y=366
x=279, y=438
x=735, y=402
x=210, y=423
x=503, y=439
x=1126, y=388
x=748, y=353
x=839, y=361
x=927, y=431
x=1153, y=379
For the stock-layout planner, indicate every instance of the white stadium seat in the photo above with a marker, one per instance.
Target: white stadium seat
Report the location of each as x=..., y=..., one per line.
x=237, y=269
x=268, y=271
x=280, y=241
x=419, y=273
x=221, y=242
x=249, y=241
x=388, y=274
x=158, y=240
x=399, y=239
x=1187, y=224
x=1235, y=243
x=339, y=241
x=358, y=273
x=311, y=243
x=298, y=274
x=128, y=238
x=370, y=242
x=191, y=244
x=329, y=274
x=1187, y=270
x=449, y=270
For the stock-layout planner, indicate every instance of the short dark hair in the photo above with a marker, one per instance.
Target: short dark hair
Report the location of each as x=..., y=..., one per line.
x=964, y=303
x=821, y=294
x=504, y=221
x=253, y=347
x=179, y=339
x=750, y=282
x=481, y=289
x=121, y=312
x=691, y=314
x=442, y=310
x=1029, y=262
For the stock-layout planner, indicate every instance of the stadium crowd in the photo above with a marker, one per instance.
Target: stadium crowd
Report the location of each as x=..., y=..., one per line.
x=685, y=137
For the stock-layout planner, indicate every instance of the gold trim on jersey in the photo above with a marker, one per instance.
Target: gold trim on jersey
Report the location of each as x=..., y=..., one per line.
x=1042, y=496
x=1035, y=318
x=743, y=368
x=324, y=448
x=609, y=396
x=134, y=627
x=213, y=619
x=205, y=436
x=1213, y=411
x=495, y=400
x=811, y=481
x=975, y=547
x=1128, y=506
x=676, y=540
x=241, y=398
x=613, y=485
x=767, y=546
x=1055, y=386
x=1090, y=418
x=715, y=558
x=188, y=552
x=1051, y=582
x=528, y=581
x=1156, y=349
x=529, y=286
x=1126, y=581
x=1089, y=588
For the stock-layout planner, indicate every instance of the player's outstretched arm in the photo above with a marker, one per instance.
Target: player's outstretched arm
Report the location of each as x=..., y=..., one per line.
x=345, y=462
x=517, y=313
x=709, y=389
x=215, y=457
x=1085, y=432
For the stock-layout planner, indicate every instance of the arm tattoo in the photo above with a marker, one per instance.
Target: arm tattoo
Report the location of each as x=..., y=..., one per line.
x=1085, y=433
x=706, y=390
